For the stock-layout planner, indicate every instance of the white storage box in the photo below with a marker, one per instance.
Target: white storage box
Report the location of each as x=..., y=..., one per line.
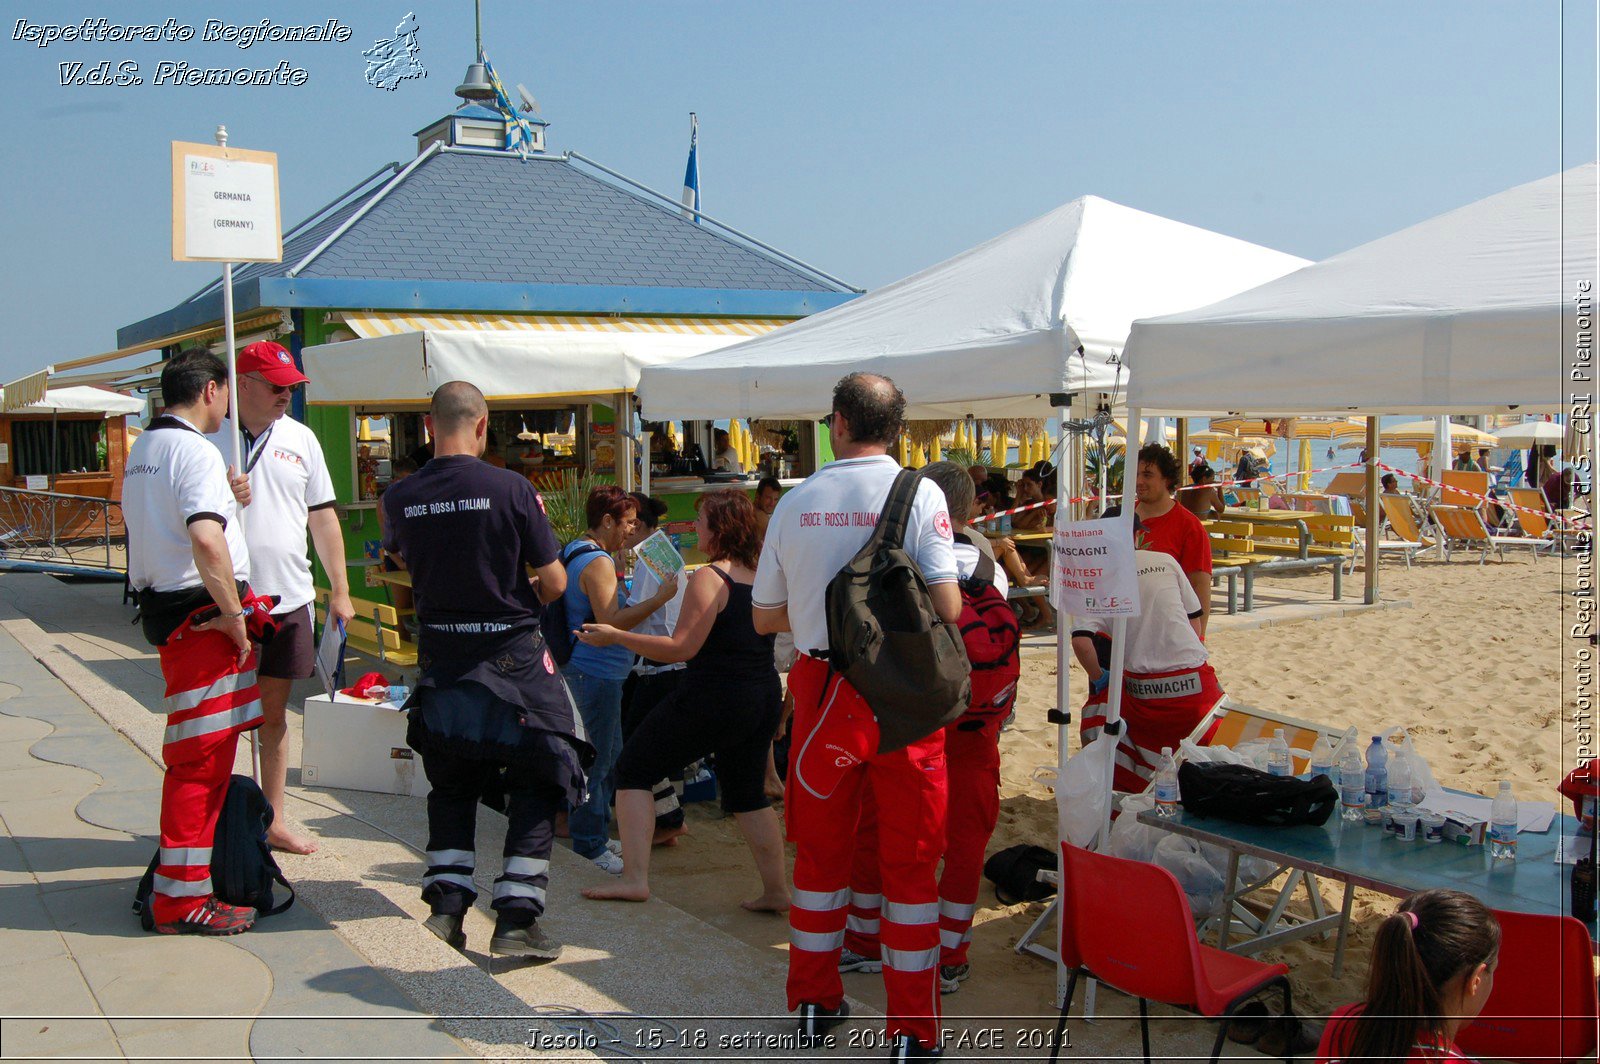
x=359, y=745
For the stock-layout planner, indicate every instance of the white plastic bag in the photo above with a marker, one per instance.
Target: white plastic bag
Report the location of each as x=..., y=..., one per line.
x=1131, y=839
x=1081, y=796
x=1399, y=745
x=1199, y=880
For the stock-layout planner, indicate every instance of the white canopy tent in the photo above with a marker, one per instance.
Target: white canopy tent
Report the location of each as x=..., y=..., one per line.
x=530, y=365
x=83, y=400
x=991, y=332
x=1473, y=311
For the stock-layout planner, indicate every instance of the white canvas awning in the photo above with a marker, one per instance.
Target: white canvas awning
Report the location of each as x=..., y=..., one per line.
x=83, y=400
x=404, y=357
x=991, y=332
x=1473, y=311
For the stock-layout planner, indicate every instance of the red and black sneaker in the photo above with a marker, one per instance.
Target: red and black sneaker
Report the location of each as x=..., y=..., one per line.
x=214, y=917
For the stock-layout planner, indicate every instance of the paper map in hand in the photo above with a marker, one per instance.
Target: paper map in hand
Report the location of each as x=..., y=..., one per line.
x=660, y=555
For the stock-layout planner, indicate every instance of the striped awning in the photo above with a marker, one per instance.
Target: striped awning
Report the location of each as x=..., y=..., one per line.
x=371, y=323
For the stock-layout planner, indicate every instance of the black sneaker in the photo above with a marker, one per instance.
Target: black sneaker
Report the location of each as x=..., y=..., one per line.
x=515, y=939
x=448, y=927
x=816, y=1021
x=904, y=1047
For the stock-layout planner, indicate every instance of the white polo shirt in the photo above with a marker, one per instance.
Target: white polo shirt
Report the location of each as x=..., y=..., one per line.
x=967, y=557
x=1160, y=638
x=820, y=525
x=174, y=476
x=288, y=479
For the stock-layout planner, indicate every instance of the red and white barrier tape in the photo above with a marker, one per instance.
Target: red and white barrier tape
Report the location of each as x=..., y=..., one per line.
x=1502, y=503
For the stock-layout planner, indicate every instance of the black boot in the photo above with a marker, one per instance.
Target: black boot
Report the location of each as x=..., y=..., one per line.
x=904, y=1047
x=816, y=1021
x=518, y=937
x=448, y=927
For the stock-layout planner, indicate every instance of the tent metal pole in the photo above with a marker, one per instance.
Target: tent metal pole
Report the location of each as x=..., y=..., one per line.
x=1063, y=712
x=1373, y=502
x=1119, y=628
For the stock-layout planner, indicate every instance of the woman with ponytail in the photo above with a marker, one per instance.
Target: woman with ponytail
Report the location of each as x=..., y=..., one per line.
x=1432, y=970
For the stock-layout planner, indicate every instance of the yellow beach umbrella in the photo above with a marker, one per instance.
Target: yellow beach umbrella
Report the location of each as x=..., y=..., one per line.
x=1418, y=435
x=935, y=451
x=1304, y=428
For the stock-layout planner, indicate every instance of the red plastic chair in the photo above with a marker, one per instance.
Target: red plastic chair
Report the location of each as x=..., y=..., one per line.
x=1127, y=924
x=1543, y=1005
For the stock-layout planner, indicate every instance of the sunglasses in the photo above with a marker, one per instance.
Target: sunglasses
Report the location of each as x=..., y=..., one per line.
x=826, y=422
x=277, y=389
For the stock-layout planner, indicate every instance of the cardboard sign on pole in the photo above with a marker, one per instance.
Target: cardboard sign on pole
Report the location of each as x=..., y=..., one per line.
x=225, y=204
x=1092, y=572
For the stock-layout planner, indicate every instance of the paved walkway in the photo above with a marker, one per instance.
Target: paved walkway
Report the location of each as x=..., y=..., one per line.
x=78, y=813
x=349, y=971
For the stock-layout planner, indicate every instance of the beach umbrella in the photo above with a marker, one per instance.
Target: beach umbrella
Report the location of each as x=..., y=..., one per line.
x=1303, y=428
x=1420, y=434
x=1531, y=434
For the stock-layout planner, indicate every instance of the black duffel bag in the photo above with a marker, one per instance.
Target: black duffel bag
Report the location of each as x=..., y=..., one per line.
x=1250, y=796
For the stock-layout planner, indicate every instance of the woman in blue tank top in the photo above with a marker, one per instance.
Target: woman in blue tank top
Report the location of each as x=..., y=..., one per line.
x=595, y=674
x=727, y=704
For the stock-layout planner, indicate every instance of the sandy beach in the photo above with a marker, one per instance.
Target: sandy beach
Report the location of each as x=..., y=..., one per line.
x=1474, y=669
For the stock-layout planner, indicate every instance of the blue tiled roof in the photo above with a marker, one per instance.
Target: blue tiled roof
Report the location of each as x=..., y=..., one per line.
x=486, y=231
x=471, y=217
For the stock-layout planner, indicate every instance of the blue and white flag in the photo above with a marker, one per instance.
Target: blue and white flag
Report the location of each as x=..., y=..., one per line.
x=519, y=134
x=691, y=176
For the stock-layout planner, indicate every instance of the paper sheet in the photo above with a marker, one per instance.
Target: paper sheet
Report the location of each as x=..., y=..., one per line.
x=1531, y=816
x=660, y=555
x=329, y=664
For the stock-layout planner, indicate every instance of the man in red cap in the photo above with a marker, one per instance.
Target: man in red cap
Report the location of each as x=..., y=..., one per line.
x=285, y=491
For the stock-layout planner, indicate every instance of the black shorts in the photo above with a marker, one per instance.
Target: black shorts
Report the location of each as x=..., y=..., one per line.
x=734, y=721
x=288, y=655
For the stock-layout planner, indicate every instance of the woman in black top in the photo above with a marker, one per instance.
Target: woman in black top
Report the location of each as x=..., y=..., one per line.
x=728, y=703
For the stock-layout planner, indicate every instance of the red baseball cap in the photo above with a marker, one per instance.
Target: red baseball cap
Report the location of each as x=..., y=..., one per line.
x=272, y=361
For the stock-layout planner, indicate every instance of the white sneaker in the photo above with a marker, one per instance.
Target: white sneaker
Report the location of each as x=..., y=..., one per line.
x=608, y=862
x=615, y=846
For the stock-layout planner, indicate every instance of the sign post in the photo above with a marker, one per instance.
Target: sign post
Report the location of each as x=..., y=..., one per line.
x=225, y=209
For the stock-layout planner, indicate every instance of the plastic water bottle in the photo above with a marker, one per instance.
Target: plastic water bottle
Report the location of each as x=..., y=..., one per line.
x=1377, y=777
x=1352, y=783
x=1167, y=785
x=1400, y=798
x=1503, y=824
x=1278, y=760
x=1322, y=762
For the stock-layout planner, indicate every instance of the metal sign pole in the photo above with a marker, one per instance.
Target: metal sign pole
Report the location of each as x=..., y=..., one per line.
x=233, y=416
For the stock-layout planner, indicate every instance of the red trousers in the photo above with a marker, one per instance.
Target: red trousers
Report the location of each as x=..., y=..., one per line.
x=1159, y=709
x=832, y=762
x=210, y=700
x=972, y=760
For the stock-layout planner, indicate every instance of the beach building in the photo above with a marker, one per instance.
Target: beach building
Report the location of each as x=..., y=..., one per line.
x=545, y=278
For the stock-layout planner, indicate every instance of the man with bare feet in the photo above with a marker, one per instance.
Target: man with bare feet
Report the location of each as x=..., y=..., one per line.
x=284, y=491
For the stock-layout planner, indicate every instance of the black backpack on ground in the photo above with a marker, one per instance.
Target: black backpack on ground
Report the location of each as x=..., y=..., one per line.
x=553, y=615
x=886, y=639
x=1014, y=871
x=242, y=867
x=1249, y=796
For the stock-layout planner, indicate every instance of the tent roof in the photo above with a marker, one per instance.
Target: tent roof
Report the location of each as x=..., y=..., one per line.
x=1474, y=310
x=83, y=400
x=988, y=332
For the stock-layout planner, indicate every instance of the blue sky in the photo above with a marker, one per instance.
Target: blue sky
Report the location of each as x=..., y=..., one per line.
x=870, y=138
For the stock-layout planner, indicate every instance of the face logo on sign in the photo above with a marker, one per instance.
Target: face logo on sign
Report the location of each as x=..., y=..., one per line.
x=941, y=524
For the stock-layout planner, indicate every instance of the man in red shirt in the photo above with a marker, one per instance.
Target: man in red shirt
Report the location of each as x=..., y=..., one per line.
x=1170, y=528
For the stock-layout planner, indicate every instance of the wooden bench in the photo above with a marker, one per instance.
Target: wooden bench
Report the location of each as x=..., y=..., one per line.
x=1311, y=542
x=373, y=632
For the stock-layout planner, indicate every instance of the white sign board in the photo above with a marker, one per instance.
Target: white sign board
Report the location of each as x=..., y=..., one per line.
x=225, y=205
x=1091, y=568
x=35, y=482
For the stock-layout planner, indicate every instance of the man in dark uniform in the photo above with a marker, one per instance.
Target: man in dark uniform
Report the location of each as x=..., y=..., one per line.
x=490, y=700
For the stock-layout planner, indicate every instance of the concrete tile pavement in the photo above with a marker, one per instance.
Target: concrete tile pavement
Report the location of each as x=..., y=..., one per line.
x=634, y=979
x=79, y=977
